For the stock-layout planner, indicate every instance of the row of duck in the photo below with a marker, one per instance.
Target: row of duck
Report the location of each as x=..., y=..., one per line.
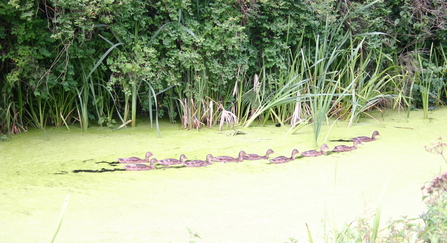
x=138, y=164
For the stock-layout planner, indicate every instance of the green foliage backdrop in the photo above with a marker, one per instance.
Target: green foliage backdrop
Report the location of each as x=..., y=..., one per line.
x=204, y=62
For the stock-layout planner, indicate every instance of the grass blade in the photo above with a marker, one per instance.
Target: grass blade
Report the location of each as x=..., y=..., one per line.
x=61, y=216
x=309, y=234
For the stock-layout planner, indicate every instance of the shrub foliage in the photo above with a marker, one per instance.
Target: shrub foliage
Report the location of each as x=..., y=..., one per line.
x=66, y=61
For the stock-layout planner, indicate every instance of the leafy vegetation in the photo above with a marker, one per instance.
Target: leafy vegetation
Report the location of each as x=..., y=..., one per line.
x=202, y=62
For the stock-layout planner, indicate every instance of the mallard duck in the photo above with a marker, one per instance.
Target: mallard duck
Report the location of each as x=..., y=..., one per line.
x=199, y=163
x=140, y=167
x=256, y=157
x=367, y=139
x=227, y=159
x=284, y=159
x=135, y=160
x=345, y=148
x=315, y=153
x=168, y=162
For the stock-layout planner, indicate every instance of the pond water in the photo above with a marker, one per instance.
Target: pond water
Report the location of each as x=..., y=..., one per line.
x=251, y=201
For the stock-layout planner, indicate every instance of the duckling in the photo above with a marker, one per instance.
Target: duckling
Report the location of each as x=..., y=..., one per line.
x=140, y=167
x=284, y=159
x=314, y=153
x=171, y=161
x=227, y=159
x=367, y=139
x=199, y=163
x=345, y=148
x=256, y=157
x=135, y=160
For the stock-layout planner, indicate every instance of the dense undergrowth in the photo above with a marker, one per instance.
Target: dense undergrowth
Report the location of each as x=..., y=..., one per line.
x=207, y=63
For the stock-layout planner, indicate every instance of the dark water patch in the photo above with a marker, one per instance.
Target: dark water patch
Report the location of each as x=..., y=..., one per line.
x=340, y=140
x=171, y=167
x=98, y=171
x=114, y=163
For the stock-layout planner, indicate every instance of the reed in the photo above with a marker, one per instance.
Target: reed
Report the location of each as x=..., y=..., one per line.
x=428, y=77
x=323, y=73
x=62, y=107
x=370, y=87
x=152, y=96
x=61, y=217
x=87, y=87
x=38, y=118
x=10, y=120
x=424, y=82
x=285, y=95
x=82, y=102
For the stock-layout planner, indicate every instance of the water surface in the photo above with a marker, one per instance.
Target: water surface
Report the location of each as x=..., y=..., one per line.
x=252, y=201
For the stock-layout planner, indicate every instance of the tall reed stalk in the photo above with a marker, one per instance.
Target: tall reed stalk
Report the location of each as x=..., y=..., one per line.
x=323, y=73
x=153, y=96
x=82, y=102
x=88, y=85
x=62, y=106
x=61, y=217
x=424, y=81
x=38, y=118
x=370, y=83
x=285, y=95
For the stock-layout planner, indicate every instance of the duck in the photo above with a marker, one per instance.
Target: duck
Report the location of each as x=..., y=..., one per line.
x=345, y=148
x=314, y=153
x=199, y=163
x=367, y=139
x=226, y=159
x=141, y=167
x=284, y=159
x=257, y=157
x=135, y=160
x=170, y=161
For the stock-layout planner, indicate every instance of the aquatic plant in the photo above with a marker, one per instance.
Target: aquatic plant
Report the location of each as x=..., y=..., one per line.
x=437, y=148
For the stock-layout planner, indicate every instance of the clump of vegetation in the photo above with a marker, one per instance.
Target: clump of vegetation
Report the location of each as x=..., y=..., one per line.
x=434, y=190
x=73, y=61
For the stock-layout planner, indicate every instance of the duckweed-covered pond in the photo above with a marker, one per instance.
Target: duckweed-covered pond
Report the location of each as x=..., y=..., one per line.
x=251, y=201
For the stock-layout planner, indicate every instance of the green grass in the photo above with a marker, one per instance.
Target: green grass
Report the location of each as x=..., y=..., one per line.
x=61, y=217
